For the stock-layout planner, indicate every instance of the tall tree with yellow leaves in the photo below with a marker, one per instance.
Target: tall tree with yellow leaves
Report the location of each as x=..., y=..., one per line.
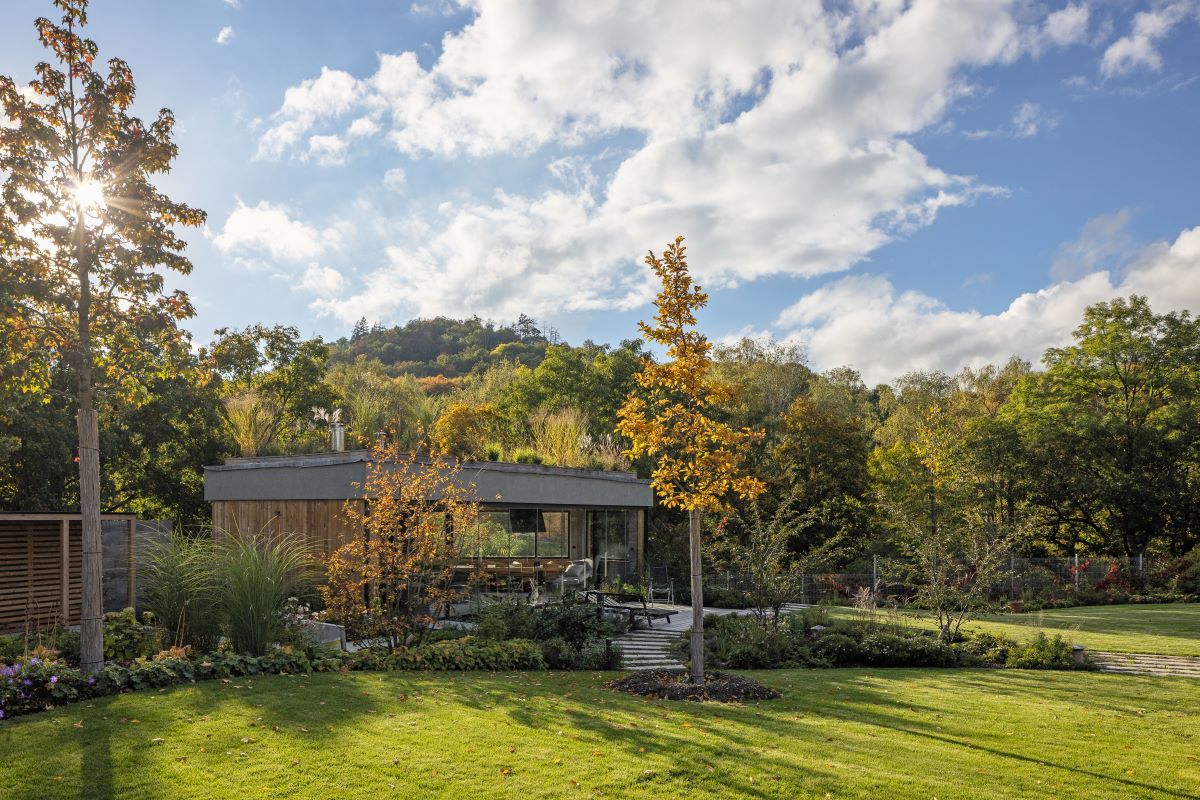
x=672, y=418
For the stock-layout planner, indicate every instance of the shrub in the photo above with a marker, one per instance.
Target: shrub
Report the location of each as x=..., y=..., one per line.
x=984, y=648
x=839, y=649
x=467, y=653
x=257, y=576
x=889, y=650
x=570, y=632
x=1042, y=653
x=33, y=684
x=53, y=642
x=523, y=455
x=126, y=639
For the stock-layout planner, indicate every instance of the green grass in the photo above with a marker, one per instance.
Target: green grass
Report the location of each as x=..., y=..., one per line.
x=1167, y=629
x=839, y=733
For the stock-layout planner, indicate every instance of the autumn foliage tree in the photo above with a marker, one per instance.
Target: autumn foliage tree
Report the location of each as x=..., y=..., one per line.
x=84, y=234
x=673, y=418
x=391, y=580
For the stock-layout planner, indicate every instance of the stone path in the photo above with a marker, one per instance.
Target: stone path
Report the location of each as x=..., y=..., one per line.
x=1146, y=664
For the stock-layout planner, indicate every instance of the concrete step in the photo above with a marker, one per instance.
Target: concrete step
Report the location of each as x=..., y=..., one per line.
x=1147, y=664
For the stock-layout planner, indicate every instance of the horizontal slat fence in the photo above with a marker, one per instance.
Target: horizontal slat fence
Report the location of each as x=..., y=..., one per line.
x=41, y=568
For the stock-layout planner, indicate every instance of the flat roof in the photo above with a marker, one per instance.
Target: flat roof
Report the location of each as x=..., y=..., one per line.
x=339, y=476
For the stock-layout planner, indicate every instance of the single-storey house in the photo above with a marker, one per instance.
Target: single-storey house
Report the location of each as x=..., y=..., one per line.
x=540, y=518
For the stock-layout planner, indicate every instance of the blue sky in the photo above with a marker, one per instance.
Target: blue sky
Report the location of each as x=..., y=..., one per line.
x=897, y=185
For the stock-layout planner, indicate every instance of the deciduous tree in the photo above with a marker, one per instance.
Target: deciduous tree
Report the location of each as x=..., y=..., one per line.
x=674, y=418
x=83, y=235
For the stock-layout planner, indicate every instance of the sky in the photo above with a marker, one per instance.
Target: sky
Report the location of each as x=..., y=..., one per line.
x=894, y=184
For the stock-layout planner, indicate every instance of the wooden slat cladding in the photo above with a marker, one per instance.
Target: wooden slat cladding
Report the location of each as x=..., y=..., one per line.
x=320, y=522
x=31, y=574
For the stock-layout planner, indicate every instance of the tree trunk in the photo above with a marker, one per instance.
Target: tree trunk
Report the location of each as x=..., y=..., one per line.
x=697, y=598
x=91, y=630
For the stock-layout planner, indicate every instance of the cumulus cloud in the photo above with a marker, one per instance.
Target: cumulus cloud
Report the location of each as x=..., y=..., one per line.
x=1139, y=48
x=775, y=137
x=395, y=179
x=224, y=35
x=1068, y=25
x=321, y=280
x=864, y=321
x=331, y=94
x=252, y=233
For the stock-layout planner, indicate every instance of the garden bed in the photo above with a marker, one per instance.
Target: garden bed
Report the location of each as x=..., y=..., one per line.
x=718, y=686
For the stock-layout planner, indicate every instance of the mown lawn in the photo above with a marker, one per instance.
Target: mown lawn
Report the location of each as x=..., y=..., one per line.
x=1167, y=629
x=836, y=733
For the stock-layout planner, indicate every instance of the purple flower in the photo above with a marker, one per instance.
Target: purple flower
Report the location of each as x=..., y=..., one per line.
x=1, y=713
x=91, y=681
x=33, y=662
x=27, y=682
x=53, y=679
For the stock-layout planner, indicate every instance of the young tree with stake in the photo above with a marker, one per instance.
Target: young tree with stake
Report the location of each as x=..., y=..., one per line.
x=83, y=233
x=672, y=418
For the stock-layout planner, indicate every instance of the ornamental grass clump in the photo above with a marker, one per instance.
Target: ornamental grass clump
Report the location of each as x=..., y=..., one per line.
x=182, y=589
x=256, y=576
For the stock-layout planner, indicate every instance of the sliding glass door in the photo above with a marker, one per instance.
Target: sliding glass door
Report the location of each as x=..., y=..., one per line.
x=613, y=537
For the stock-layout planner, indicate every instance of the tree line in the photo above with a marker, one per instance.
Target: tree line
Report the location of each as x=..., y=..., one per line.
x=1096, y=451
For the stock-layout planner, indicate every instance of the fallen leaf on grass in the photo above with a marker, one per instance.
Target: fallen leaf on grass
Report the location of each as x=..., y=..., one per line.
x=506, y=772
x=77, y=724
x=157, y=740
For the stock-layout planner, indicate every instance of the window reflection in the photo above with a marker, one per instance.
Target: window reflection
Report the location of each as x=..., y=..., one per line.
x=519, y=533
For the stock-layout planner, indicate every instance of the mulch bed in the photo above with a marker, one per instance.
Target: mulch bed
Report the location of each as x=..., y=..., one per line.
x=717, y=686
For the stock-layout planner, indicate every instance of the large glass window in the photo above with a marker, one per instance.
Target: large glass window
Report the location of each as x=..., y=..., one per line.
x=520, y=533
x=614, y=543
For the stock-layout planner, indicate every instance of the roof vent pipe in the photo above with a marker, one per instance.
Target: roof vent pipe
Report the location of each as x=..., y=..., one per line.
x=337, y=437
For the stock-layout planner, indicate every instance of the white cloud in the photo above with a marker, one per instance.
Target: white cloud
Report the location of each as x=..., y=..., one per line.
x=395, y=179
x=267, y=230
x=321, y=280
x=332, y=94
x=775, y=137
x=865, y=322
x=1068, y=25
x=224, y=35
x=1029, y=120
x=234, y=3
x=1103, y=243
x=1139, y=48
x=327, y=150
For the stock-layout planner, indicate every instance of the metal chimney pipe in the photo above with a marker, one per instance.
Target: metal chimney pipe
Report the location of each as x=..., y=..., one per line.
x=337, y=437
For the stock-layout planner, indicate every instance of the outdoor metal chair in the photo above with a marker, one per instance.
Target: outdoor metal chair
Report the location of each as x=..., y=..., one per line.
x=576, y=575
x=661, y=586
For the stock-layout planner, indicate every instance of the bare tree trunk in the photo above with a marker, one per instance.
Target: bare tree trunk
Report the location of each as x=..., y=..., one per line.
x=91, y=630
x=697, y=598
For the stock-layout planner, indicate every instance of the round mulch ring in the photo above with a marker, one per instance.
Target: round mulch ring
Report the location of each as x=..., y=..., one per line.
x=678, y=686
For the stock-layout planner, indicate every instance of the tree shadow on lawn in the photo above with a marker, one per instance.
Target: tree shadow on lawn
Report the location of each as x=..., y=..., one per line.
x=871, y=701
x=141, y=742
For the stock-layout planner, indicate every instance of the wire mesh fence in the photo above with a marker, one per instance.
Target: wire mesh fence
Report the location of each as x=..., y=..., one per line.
x=1022, y=579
